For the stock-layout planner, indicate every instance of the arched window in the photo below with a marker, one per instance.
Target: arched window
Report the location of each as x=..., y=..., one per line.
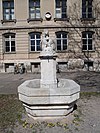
x=35, y=38
x=87, y=41
x=9, y=42
x=62, y=40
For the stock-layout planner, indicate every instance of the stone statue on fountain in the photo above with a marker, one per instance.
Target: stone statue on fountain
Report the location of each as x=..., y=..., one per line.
x=48, y=45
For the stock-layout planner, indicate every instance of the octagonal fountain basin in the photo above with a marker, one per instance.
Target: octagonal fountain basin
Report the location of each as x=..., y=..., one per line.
x=49, y=102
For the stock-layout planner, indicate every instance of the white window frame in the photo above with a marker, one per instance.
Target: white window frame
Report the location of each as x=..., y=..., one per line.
x=60, y=9
x=87, y=41
x=8, y=12
x=85, y=14
x=35, y=41
x=34, y=14
x=62, y=39
x=9, y=39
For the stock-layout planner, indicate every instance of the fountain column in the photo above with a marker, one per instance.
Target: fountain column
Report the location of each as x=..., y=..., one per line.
x=48, y=72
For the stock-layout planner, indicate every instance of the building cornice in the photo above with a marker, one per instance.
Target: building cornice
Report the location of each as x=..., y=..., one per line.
x=47, y=27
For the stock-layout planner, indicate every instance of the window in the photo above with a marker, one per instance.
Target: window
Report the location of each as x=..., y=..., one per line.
x=87, y=9
x=62, y=66
x=61, y=40
x=34, y=9
x=87, y=41
x=35, y=39
x=9, y=67
x=61, y=8
x=36, y=64
x=88, y=65
x=9, y=40
x=8, y=10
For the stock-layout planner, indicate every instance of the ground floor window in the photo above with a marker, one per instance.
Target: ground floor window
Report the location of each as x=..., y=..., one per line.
x=35, y=38
x=88, y=65
x=62, y=66
x=9, y=41
x=62, y=40
x=35, y=66
x=9, y=67
x=87, y=41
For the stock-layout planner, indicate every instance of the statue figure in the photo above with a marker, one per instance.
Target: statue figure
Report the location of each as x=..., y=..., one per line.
x=48, y=45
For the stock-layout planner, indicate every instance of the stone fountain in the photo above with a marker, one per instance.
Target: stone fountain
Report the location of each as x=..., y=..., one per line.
x=48, y=96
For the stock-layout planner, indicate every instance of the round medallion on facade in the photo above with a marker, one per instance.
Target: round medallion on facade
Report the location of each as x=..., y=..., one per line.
x=48, y=16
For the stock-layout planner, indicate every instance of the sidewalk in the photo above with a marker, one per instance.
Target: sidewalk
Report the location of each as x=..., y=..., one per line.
x=89, y=81
x=9, y=82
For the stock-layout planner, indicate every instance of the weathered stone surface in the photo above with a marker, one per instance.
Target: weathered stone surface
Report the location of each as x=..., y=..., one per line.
x=36, y=113
x=48, y=73
x=49, y=102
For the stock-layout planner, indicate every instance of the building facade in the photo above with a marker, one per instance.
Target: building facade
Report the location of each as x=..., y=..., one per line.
x=74, y=25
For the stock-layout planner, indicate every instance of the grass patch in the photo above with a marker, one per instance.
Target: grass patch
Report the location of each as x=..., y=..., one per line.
x=89, y=94
x=10, y=110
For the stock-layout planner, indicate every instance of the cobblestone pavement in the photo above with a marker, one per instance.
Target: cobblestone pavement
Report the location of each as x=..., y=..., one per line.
x=89, y=81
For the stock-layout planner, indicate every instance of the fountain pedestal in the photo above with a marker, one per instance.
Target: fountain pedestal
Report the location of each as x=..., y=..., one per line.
x=46, y=97
x=48, y=72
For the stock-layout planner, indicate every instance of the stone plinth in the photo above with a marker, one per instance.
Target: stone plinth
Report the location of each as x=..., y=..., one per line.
x=48, y=72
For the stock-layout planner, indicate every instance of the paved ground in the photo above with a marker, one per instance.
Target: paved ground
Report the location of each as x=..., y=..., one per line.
x=89, y=81
x=9, y=81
